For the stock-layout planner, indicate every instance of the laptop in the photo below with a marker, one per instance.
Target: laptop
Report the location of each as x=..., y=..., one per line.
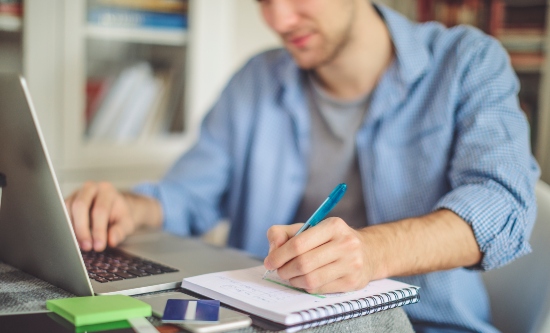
x=37, y=237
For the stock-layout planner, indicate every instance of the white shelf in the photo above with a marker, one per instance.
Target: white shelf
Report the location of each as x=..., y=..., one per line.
x=10, y=23
x=172, y=37
x=133, y=154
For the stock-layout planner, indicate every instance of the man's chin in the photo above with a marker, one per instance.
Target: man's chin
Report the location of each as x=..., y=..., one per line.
x=307, y=59
x=306, y=63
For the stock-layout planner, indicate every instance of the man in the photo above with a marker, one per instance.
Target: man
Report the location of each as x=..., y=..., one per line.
x=423, y=124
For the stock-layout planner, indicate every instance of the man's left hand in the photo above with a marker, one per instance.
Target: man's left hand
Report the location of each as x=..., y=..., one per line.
x=331, y=257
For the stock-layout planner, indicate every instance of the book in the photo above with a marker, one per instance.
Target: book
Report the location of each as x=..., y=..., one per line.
x=96, y=90
x=13, y=8
x=132, y=117
x=11, y=13
x=153, y=125
x=123, y=91
x=522, y=40
x=92, y=310
x=276, y=300
x=530, y=16
x=527, y=62
x=148, y=5
x=128, y=18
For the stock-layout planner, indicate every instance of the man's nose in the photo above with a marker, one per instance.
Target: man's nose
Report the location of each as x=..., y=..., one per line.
x=281, y=15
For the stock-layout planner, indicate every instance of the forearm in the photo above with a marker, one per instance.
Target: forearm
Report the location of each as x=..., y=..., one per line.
x=437, y=241
x=145, y=211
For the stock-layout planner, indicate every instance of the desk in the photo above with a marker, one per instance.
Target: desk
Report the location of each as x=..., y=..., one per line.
x=20, y=292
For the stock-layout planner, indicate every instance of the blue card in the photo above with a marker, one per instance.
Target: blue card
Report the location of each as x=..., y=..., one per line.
x=182, y=310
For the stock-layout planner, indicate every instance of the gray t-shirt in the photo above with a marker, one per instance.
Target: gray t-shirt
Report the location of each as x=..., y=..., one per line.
x=333, y=155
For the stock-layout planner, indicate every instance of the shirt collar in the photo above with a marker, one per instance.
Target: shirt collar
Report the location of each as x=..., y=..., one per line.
x=412, y=61
x=413, y=56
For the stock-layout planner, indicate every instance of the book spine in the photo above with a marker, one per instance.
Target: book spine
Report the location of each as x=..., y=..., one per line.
x=134, y=19
x=356, y=308
x=496, y=18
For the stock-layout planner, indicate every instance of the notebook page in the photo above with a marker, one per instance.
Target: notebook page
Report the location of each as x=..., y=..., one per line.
x=275, y=299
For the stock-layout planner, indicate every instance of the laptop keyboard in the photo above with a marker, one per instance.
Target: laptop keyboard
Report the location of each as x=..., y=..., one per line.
x=115, y=265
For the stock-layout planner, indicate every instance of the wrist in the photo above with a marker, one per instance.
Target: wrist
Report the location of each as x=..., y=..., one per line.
x=374, y=253
x=145, y=211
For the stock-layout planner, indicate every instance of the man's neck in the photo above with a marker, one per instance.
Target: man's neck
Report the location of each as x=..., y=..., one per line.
x=358, y=67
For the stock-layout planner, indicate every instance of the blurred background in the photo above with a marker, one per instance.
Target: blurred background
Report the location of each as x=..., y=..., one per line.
x=120, y=86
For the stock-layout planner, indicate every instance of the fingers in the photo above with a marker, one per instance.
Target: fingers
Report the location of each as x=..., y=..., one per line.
x=124, y=225
x=117, y=233
x=341, y=284
x=277, y=235
x=100, y=214
x=92, y=210
x=79, y=210
x=316, y=280
x=342, y=275
x=297, y=245
x=309, y=261
x=328, y=258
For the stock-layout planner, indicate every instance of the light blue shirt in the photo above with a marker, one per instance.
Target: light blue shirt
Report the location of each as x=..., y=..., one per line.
x=444, y=130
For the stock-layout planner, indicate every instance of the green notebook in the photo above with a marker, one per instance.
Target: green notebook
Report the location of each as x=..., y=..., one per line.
x=99, y=309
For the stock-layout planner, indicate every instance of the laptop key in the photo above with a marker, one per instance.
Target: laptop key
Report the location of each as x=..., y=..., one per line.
x=137, y=273
x=114, y=278
x=105, y=275
x=154, y=271
x=115, y=265
x=125, y=275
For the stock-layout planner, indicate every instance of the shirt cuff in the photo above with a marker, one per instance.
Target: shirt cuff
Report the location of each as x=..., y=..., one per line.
x=499, y=226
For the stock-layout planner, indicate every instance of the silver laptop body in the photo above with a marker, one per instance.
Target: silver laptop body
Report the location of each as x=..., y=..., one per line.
x=36, y=235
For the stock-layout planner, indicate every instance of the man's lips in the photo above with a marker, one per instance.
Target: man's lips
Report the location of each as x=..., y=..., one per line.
x=300, y=41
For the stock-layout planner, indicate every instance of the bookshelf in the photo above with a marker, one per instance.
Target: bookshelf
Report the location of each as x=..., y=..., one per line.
x=11, y=15
x=543, y=148
x=522, y=28
x=11, y=22
x=60, y=51
x=138, y=35
x=64, y=54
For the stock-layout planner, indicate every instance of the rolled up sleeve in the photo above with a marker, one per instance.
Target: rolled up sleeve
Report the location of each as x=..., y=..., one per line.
x=492, y=172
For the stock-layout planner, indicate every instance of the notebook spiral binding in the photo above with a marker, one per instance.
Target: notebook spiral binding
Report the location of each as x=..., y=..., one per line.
x=357, y=308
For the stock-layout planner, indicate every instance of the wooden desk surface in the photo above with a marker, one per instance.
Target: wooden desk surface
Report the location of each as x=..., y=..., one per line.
x=20, y=292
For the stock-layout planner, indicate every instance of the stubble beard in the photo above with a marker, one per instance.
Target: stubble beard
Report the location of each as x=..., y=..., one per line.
x=333, y=48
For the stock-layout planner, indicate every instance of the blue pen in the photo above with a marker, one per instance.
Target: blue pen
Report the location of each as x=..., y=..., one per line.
x=322, y=211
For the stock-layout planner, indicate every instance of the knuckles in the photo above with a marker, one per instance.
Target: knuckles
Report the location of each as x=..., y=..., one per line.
x=302, y=265
x=78, y=205
x=356, y=263
x=310, y=282
x=88, y=185
x=337, y=223
x=272, y=232
x=307, y=282
x=352, y=242
x=99, y=212
x=105, y=186
x=296, y=245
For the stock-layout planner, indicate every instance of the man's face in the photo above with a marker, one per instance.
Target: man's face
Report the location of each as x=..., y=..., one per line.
x=313, y=31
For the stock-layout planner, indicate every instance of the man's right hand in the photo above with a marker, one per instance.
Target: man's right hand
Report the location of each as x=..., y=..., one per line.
x=101, y=215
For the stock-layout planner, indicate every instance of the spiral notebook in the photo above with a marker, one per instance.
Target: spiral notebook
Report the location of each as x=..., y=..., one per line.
x=276, y=300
